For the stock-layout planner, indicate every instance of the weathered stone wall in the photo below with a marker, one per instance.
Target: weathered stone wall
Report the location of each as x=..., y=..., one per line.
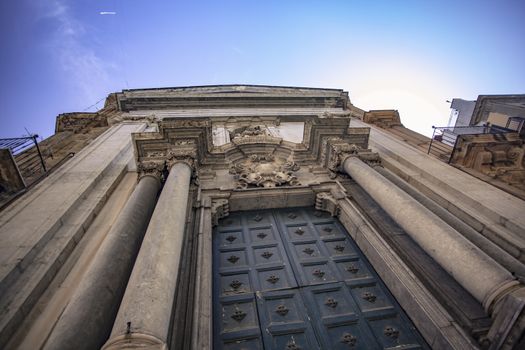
x=10, y=179
x=40, y=230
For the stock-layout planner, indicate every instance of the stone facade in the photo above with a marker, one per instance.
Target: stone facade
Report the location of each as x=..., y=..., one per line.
x=114, y=248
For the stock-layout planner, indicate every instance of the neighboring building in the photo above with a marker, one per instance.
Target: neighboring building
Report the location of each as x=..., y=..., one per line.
x=486, y=138
x=461, y=112
x=256, y=217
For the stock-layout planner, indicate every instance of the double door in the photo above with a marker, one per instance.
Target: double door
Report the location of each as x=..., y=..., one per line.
x=294, y=279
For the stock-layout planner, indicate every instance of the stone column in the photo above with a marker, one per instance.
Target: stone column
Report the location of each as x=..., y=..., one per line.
x=87, y=320
x=143, y=319
x=483, y=277
x=506, y=260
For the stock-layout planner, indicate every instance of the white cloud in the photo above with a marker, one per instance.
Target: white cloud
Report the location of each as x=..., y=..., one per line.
x=84, y=69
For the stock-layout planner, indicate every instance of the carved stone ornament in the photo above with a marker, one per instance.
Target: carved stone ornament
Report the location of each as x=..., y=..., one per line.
x=220, y=208
x=255, y=134
x=336, y=151
x=265, y=171
x=499, y=156
x=150, y=168
x=181, y=155
x=326, y=202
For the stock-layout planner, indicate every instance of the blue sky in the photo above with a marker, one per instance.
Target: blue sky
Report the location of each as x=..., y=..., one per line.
x=64, y=56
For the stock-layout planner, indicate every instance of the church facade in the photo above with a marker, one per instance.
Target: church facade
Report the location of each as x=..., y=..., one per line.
x=257, y=217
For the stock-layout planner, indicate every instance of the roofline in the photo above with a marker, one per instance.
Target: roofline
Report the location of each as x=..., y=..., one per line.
x=232, y=85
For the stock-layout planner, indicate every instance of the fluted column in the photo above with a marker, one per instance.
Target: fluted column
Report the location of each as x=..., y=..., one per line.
x=483, y=277
x=87, y=320
x=145, y=312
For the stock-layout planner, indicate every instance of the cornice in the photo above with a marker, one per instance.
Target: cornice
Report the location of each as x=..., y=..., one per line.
x=224, y=96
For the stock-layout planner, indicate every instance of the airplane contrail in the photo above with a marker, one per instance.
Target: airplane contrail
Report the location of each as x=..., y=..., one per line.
x=108, y=13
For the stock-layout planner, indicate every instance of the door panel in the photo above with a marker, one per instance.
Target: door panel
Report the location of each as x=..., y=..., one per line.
x=236, y=323
x=294, y=279
x=285, y=321
x=336, y=318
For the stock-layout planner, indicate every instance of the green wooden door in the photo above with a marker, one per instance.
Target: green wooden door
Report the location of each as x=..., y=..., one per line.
x=294, y=279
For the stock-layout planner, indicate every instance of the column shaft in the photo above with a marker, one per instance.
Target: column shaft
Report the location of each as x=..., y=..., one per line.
x=483, y=277
x=506, y=260
x=87, y=320
x=148, y=300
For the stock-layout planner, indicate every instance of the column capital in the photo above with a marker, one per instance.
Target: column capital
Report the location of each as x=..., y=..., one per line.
x=182, y=155
x=150, y=168
x=337, y=151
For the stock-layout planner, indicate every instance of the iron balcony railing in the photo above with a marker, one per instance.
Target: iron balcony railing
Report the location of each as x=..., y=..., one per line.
x=28, y=162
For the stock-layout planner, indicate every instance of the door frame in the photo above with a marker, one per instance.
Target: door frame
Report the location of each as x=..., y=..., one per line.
x=433, y=322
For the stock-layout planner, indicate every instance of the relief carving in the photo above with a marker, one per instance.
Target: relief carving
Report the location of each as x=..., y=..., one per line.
x=220, y=208
x=188, y=123
x=324, y=201
x=155, y=154
x=257, y=134
x=265, y=171
x=499, y=157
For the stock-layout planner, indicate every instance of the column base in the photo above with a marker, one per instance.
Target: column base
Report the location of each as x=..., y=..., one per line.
x=508, y=327
x=497, y=294
x=135, y=341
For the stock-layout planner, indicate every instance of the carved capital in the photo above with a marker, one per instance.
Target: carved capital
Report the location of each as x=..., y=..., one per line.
x=150, y=168
x=220, y=208
x=181, y=155
x=326, y=202
x=336, y=151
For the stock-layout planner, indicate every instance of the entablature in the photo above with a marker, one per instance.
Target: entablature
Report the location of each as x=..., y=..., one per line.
x=254, y=156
